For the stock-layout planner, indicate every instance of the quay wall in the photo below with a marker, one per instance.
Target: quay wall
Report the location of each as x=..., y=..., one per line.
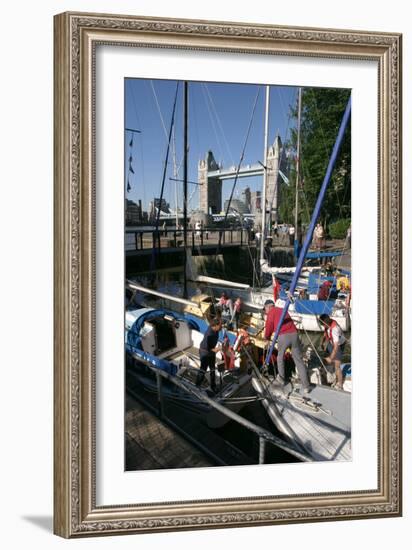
x=234, y=263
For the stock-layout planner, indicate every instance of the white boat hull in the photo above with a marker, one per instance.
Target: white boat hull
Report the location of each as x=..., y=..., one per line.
x=319, y=424
x=310, y=323
x=158, y=343
x=304, y=321
x=255, y=299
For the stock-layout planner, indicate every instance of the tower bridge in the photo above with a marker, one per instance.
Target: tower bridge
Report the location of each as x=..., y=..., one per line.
x=211, y=177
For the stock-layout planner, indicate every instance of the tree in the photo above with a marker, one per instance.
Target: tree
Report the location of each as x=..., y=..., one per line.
x=322, y=112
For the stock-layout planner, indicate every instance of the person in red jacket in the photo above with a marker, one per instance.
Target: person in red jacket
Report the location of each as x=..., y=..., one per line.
x=288, y=338
x=325, y=290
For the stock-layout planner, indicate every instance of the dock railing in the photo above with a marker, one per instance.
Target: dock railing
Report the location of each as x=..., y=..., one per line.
x=264, y=435
x=144, y=239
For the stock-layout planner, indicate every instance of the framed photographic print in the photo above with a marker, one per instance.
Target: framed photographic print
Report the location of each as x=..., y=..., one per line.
x=227, y=274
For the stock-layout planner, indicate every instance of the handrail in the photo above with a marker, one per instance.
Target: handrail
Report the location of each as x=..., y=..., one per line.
x=147, y=239
x=264, y=435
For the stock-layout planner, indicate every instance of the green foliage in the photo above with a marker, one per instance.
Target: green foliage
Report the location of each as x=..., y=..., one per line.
x=338, y=229
x=322, y=112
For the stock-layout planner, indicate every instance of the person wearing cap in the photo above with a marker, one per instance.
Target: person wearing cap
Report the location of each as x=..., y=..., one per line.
x=288, y=338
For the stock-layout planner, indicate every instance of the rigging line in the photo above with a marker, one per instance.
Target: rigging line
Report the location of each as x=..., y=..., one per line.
x=239, y=164
x=207, y=285
x=141, y=136
x=212, y=121
x=338, y=266
x=159, y=111
x=255, y=271
x=219, y=123
x=335, y=277
x=175, y=172
x=289, y=113
x=307, y=178
x=314, y=348
x=306, y=173
x=265, y=383
x=303, y=192
x=287, y=127
x=167, y=156
x=139, y=125
x=191, y=195
x=282, y=152
x=287, y=130
x=192, y=108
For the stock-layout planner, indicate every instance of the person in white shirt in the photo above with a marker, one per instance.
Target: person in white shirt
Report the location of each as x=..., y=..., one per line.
x=335, y=344
x=319, y=235
x=225, y=305
x=291, y=235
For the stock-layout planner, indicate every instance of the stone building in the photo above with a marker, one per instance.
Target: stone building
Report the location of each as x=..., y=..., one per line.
x=238, y=206
x=246, y=196
x=210, y=188
x=255, y=202
x=133, y=212
x=272, y=177
x=155, y=204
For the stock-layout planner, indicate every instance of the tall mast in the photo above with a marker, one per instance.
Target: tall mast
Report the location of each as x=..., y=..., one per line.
x=265, y=159
x=296, y=243
x=154, y=250
x=273, y=203
x=185, y=151
x=175, y=176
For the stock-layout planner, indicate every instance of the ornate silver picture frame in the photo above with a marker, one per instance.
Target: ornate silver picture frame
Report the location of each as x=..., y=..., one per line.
x=77, y=511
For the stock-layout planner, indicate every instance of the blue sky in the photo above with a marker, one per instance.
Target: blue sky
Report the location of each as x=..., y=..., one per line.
x=219, y=116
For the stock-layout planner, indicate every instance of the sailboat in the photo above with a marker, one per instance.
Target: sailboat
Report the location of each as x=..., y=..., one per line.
x=164, y=344
x=318, y=422
x=305, y=307
x=161, y=342
x=319, y=425
x=303, y=310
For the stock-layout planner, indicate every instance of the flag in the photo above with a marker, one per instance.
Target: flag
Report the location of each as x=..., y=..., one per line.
x=128, y=187
x=131, y=169
x=131, y=142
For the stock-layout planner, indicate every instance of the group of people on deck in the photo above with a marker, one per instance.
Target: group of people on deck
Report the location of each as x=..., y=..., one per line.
x=333, y=342
x=229, y=310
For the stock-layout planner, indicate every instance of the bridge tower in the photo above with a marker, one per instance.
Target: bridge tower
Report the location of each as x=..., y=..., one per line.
x=273, y=161
x=210, y=187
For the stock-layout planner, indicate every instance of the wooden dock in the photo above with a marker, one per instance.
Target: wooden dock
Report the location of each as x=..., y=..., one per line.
x=151, y=444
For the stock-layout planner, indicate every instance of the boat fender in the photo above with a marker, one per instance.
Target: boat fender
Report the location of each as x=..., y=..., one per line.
x=228, y=354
